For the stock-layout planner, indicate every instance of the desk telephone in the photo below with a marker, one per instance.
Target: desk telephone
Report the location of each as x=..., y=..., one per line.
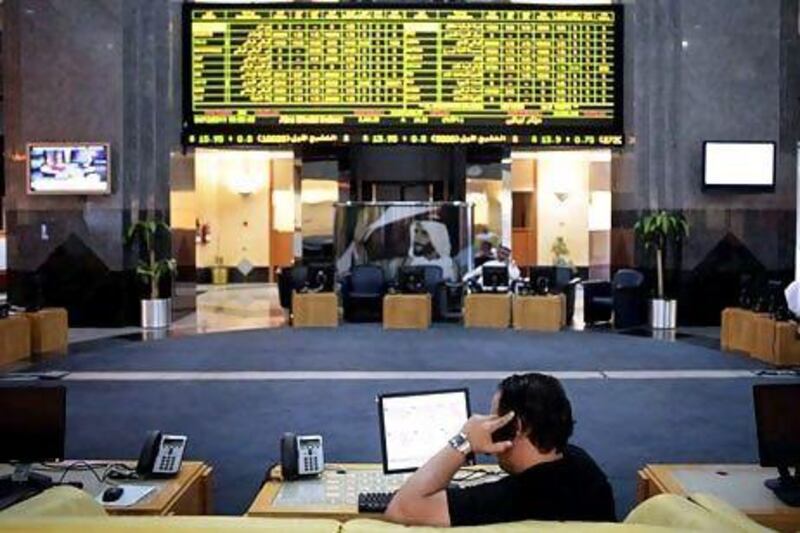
x=161, y=455
x=301, y=456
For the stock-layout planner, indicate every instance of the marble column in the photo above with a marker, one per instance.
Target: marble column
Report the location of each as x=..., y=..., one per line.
x=88, y=71
x=710, y=70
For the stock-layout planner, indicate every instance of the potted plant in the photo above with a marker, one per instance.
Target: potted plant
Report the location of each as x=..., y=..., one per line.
x=156, y=311
x=656, y=231
x=560, y=252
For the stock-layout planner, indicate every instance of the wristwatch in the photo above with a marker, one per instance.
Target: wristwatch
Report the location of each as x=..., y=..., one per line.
x=460, y=443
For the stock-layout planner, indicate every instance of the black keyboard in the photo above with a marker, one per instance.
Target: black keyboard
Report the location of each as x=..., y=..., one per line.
x=374, y=502
x=10, y=497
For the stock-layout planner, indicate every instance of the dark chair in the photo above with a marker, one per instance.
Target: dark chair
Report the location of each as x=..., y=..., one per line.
x=449, y=301
x=362, y=293
x=623, y=297
x=434, y=285
x=291, y=279
x=561, y=280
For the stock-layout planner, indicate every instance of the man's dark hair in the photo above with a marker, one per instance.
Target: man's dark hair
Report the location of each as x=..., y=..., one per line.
x=541, y=405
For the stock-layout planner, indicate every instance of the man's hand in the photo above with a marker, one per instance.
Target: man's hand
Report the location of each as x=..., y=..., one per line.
x=479, y=429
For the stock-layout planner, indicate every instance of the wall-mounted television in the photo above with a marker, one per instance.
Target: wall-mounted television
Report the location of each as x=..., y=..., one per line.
x=69, y=168
x=746, y=165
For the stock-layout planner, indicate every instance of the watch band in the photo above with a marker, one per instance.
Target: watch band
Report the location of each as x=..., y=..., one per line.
x=461, y=444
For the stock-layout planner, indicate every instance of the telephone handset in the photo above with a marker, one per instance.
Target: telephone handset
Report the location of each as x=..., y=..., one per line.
x=161, y=455
x=301, y=456
x=507, y=432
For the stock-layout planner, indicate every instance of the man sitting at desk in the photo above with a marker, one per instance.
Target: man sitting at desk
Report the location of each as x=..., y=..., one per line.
x=548, y=478
x=504, y=259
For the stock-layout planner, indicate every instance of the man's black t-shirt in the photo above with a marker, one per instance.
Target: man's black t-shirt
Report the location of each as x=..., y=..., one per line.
x=571, y=488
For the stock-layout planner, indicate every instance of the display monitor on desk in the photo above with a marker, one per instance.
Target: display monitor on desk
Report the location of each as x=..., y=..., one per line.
x=495, y=278
x=411, y=280
x=416, y=425
x=32, y=422
x=778, y=426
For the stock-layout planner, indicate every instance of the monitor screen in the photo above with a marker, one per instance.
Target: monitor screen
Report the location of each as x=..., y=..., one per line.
x=411, y=280
x=414, y=426
x=494, y=277
x=321, y=277
x=739, y=164
x=69, y=169
x=404, y=73
x=32, y=421
x=778, y=423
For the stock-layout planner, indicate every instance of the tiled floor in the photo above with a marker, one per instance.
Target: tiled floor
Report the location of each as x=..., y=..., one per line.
x=219, y=308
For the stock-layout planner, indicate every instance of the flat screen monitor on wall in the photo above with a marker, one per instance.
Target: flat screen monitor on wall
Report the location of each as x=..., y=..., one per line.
x=739, y=165
x=75, y=168
x=403, y=73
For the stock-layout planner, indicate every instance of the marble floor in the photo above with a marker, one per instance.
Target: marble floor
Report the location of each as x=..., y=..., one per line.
x=219, y=308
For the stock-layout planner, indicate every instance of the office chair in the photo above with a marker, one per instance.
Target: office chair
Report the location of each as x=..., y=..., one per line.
x=363, y=290
x=291, y=279
x=623, y=298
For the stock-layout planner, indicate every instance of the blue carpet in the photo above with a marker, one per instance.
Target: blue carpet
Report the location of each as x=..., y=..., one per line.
x=236, y=425
x=369, y=347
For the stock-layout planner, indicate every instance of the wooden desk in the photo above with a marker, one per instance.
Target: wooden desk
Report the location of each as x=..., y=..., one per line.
x=315, y=310
x=407, y=311
x=761, y=337
x=15, y=339
x=189, y=493
x=486, y=310
x=742, y=486
x=738, y=330
x=539, y=313
x=49, y=331
x=787, y=344
x=335, y=494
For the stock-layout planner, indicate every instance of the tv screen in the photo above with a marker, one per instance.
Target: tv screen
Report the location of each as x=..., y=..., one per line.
x=739, y=165
x=69, y=169
x=405, y=73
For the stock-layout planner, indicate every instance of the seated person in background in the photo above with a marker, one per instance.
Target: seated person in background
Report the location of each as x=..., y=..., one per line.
x=485, y=253
x=503, y=259
x=548, y=478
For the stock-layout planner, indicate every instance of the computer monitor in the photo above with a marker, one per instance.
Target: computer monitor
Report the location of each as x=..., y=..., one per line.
x=321, y=277
x=495, y=278
x=778, y=427
x=411, y=280
x=32, y=422
x=416, y=425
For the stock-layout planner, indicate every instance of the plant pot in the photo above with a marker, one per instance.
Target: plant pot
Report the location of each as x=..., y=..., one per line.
x=156, y=314
x=663, y=313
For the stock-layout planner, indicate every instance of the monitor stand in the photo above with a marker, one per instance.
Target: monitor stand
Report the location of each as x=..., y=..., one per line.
x=786, y=487
x=21, y=485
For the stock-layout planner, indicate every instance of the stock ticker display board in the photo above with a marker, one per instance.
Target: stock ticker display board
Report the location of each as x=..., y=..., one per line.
x=410, y=73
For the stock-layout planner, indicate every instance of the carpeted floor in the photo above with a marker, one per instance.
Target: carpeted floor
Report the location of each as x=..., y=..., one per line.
x=236, y=425
x=369, y=347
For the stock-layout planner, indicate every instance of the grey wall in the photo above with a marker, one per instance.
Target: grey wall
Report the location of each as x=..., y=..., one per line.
x=88, y=70
x=698, y=70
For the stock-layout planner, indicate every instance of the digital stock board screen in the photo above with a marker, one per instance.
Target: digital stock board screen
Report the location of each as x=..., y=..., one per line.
x=403, y=74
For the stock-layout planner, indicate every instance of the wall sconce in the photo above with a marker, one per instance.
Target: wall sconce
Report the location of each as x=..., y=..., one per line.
x=561, y=196
x=243, y=185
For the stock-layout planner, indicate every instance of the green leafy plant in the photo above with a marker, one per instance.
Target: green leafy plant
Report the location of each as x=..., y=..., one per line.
x=152, y=269
x=560, y=252
x=657, y=230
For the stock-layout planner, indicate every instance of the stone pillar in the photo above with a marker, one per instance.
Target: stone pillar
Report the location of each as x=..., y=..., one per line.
x=88, y=71
x=711, y=70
